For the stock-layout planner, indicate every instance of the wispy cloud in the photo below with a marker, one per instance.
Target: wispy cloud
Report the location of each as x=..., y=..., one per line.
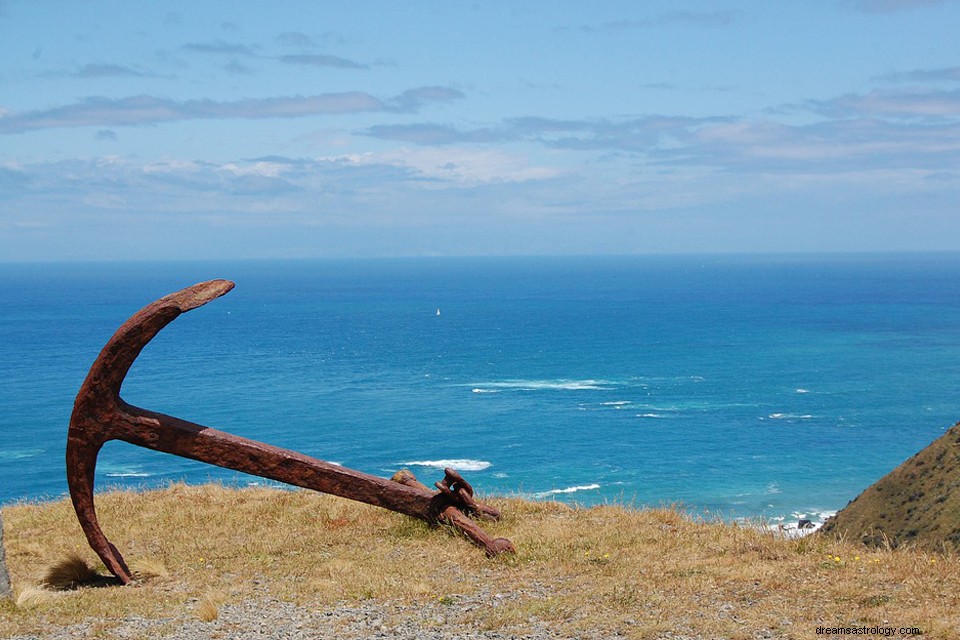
x=911, y=105
x=236, y=67
x=890, y=6
x=413, y=99
x=108, y=71
x=679, y=18
x=949, y=74
x=306, y=41
x=141, y=110
x=238, y=50
x=628, y=134
x=319, y=60
x=430, y=134
x=223, y=48
x=103, y=70
x=296, y=39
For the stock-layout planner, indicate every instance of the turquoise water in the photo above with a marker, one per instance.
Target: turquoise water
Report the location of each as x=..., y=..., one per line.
x=735, y=385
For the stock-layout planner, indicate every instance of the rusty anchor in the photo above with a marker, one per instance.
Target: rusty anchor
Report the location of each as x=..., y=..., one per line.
x=100, y=414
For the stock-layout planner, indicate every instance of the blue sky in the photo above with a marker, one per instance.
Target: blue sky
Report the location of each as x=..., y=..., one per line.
x=183, y=130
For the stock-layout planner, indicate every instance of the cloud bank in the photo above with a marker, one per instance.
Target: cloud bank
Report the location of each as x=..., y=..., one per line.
x=147, y=110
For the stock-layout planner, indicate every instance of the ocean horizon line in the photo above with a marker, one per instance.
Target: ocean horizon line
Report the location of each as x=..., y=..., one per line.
x=839, y=254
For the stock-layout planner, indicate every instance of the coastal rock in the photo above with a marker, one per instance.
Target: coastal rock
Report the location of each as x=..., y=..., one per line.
x=4, y=576
x=917, y=504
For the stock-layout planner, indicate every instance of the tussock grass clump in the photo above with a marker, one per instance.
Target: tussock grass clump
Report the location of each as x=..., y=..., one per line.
x=603, y=570
x=71, y=573
x=32, y=596
x=208, y=608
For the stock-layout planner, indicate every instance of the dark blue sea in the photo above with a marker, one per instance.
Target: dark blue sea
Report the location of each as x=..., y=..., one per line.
x=733, y=386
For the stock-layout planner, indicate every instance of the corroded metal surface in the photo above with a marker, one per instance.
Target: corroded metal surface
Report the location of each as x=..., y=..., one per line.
x=100, y=415
x=451, y=487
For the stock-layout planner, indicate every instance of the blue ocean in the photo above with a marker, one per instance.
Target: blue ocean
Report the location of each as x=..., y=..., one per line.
x=731, y=386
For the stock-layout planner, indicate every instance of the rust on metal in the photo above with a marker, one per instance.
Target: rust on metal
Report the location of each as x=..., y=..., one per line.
x=459, y=507
x=100, y=415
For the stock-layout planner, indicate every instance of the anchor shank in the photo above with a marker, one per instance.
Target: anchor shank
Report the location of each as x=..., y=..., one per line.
x=168, y=434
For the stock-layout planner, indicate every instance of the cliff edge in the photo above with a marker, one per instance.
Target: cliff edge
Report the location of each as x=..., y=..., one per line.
x=917, y=504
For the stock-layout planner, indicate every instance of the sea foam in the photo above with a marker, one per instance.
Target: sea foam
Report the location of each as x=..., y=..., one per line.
x=541, y=385
x=553, y=492
x=460, y=464
x=127, y=474
x=20, y=454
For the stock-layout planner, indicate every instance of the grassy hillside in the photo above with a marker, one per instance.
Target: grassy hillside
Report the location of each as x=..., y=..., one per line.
x=918, y=503
x=642, y=574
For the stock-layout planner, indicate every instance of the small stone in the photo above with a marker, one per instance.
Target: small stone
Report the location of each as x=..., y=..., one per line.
x=4, y=576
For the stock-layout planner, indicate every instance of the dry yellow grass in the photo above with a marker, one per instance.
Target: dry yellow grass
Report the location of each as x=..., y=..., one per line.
x=641, y=573
x=208, y=608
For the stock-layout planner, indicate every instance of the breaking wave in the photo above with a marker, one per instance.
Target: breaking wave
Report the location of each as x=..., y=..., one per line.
x=792, y=527
x=127, y=474
x=542, y=385
x=460, y=464
x=20, y=454
x=553, y=492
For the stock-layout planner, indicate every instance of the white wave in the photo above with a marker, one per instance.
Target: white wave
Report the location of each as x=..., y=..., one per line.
x=651, y=415
x=823, y=516
x=618, y=403
x=789, y=416
x=802, y=390
x=542, y=385
x=553, y=492
x=460, y=464
x=124, y=471
x=812, y=521
x=20, y=454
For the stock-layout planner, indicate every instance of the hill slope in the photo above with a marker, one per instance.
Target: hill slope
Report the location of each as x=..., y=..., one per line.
x=218, y=562
x=917, y=503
